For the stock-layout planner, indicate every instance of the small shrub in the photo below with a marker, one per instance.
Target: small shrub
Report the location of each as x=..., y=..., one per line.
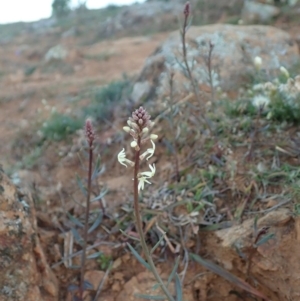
x=59, y=126
x=282, y=109
x=29, y=70
x=279, y=99
x=106, y=98
x=240, y=107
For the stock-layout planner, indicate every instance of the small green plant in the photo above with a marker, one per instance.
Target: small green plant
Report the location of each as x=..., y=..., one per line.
x=106, y=98
x=59, y=126
x=279, y=99
x=104, y=261
x=29, y=70
x=30, y=159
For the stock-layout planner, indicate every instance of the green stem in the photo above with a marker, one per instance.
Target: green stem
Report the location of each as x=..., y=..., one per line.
x=139, y=225
x=86, y=222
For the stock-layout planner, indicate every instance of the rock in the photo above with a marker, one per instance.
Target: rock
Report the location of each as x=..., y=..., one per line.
x=143, y=283
x=95, y=277
x=235, y=48
x=255, y=12
x=56, y=53
x=276, y=263
x=25, y=274
x=160, y=15
x=139, y=91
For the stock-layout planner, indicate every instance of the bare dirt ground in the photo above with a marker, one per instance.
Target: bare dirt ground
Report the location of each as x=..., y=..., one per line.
x=52, y=176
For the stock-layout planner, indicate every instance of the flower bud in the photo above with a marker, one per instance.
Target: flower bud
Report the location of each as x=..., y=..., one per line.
x=187, y=9
x=126, y=129
x=145, y=130
x=153, y=137
x=133, y=144
x=284, y=72
x=89, y=132
x=258, y=62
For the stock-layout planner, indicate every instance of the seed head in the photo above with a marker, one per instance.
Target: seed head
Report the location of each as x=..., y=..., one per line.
x=187, y=9
x=89, y=132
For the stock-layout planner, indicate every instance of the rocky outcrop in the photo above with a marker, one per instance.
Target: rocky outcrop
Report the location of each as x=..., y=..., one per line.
x=235, y=48
x=256, y=12
x=25, y=274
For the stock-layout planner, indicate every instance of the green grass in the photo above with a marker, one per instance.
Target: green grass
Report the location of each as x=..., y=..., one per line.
x=29, y=160
x=59, y=126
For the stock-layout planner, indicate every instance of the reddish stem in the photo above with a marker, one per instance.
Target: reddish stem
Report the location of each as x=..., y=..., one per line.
x=86, y=224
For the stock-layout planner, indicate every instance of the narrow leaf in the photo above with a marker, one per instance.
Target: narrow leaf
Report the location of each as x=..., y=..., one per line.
x=100, y=196
x=173, y=271
x=189, y=23
x=178, y=288
x=96, y=223
x=138, y=257
x=74, y=267
x=150, y=297
x=76, y=235
x=264, y=239
x=129, y=236
x=81, y=186
x=95, y=255
x=169, y=145
x=157, y=244
x=96, y=169
x=87, y=285
x=75, y=221
x=155, y=286
x=98, y=172
x=73, y=288
x=228, y=276
x=255, y=225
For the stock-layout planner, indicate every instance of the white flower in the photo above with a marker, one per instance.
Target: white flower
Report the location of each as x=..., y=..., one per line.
x=258, y=62
x=149, y=151
x=260, y=100
x=144, y=176
x=284, y=72
x=142, y=181
x=149, y=174
x=122, y=158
